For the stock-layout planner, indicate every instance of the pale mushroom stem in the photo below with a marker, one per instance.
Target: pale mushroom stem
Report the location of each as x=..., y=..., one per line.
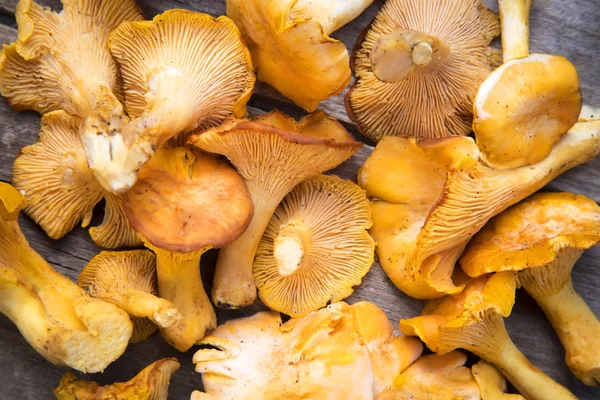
x=489, y=340
x=514, y=19
x=402, y=52
x=332, y=15
x=234, y=285
x=573, y=320
x=288, y=250
x=138, y=303
x=179, y=281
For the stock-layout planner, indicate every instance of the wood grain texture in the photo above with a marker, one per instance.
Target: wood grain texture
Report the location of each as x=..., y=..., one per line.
x=567, y=28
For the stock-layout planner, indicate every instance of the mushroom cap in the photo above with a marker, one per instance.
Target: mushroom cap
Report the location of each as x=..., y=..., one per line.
x=60, y=60
x=492, y=293
x=533, y=233
x=274, y=153
x=61, y=189
x=435, y=377
x=524, y=108
x=11, y=202
x=199, y=62
x=324, y=219
x=434, y=100
x=492, y=384
x=292, y=54
x=151, y=383
x=186, y=200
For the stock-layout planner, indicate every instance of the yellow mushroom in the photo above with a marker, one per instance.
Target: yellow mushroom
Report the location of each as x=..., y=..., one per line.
x=474, y=320
x=152, y=383
x=273, y=153
x=58, y=318
x=543, y=237
x=316, y=247
x=185, y=203
x=435, y=377
x=61, y=189
x=338, y=352
x=421, y=230
x=128, y=280
x=291, y=48
x=529, y=103
x=419, y=66
x=492, y=384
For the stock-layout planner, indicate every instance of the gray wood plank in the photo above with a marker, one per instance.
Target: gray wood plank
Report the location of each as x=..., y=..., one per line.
x=567, y=28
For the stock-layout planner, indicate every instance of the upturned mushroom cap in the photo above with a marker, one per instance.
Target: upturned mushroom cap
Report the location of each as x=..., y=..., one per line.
x=529, y=103
x=418, y=68
x=60, y=60
x=273, y=153
x=128, y=279
x=435, y=377
x=152, y=383
x=323, y=355
x=533, y=233
x=291, y=48
x=492, y=385
x=61, y=189
x=316, y=247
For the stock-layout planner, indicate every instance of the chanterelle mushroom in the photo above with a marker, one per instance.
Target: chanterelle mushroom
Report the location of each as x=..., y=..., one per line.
x=492, y=385
x=419, y=66
x=421, y=230
x=543, y=237
x=273, y=153
x=316, y=247
x=529, y=103
x=339, y=352
x=152, y=383
x=57, y=317
x=185, y=203
x=128, y=279
x=61, y=189
x=435, y=377
x=473, y=320
x=291, y=48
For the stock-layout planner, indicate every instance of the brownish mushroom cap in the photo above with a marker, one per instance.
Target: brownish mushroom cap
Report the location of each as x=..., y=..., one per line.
x=273, y=153
x=185, y=203
x=419, y=66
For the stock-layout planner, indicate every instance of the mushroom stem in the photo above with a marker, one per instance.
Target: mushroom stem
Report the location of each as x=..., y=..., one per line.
x=332, y=15
x=179, y=281
x=573, y=320
x=402, y=52
x=234, y=285
x=288, y=250
x=489, y=340
x=138, y=303
x=514, y=19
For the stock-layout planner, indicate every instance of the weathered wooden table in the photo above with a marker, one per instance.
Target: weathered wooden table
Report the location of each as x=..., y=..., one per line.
x=567, y=27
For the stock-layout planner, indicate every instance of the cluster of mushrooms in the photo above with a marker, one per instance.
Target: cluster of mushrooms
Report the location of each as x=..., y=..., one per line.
x=150, y=116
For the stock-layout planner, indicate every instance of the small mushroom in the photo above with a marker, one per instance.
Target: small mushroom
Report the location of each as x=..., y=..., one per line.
x=291, y=48
x=529, y=103
x=435, y=377
x=185, y=203
x=421, y=230
x=339, y=352
x=316, y=247
x=419, y=66
x=273, y=153
x=492, y=384
x=128, y=279
x=474, y=320
x=61, y=189
x=543, y=237
x=152, y=383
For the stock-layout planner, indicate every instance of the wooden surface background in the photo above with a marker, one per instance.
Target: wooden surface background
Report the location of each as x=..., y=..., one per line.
x=567, y=27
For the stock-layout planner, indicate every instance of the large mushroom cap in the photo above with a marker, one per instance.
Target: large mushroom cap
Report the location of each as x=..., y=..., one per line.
x=290, y=47
x=186, y=200
x=419, y=66
x=524, y=108
x=316, y=247
x=533, y=233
